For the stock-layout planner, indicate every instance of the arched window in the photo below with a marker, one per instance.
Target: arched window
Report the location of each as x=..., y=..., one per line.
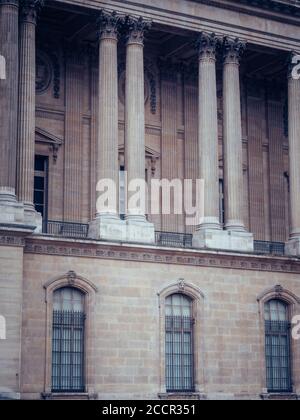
x=68, y=340
x=179, y=346
x=278, y=346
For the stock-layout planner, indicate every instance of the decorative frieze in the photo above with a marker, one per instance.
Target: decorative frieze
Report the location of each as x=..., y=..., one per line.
x=10, y=240
x=70, y=248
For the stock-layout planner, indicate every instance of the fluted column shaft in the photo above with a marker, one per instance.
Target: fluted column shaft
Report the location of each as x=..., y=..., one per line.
x=233, y=148
x=26, y=114
x=294, y=152
x=108, y=166
x=9, y=11
x=135, y=108
x=208, y=130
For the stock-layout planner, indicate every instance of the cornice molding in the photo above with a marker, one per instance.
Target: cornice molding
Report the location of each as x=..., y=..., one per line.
x=148, y=254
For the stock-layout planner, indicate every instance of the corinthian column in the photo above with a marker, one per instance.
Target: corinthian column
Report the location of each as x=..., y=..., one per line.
x=208, y=130
x=26, y=115
x=293, y=246
x=233, y=152
x=237, y=236
x=138, y=229
x=10, y=210
x=107, y=224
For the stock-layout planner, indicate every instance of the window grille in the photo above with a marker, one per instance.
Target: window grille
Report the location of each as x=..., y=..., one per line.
x=179, y=329
x=68, y=341
x=278, y=346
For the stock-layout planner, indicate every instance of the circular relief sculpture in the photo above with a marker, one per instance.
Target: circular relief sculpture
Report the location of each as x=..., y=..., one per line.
x=44, y=73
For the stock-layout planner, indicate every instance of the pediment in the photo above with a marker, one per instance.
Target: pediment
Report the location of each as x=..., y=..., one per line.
x=44, y=137
x=150, y=153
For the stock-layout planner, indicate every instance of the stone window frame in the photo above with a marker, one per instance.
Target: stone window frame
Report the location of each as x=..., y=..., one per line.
x=293, y=302
x=72, y=279
x=198, y=307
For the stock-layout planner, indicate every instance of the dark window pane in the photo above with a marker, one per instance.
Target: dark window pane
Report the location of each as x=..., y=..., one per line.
x=38, y=197
x=40, y=209
x=39, y=164
x=38, y=183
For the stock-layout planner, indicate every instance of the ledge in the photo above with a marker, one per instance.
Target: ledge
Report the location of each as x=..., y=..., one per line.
x=182, y=396
x=280, y=396
x=68, y=396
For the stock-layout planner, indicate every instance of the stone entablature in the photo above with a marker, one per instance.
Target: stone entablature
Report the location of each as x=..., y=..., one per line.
x=150, y=254
x=215, y=16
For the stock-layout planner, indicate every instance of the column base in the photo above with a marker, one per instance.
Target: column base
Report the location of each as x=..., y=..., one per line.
x=107, y=228
x=292, y=247
x=140, y=231
x=111, y=228
x=223, y=240
x=33, y=218
x=17, y=214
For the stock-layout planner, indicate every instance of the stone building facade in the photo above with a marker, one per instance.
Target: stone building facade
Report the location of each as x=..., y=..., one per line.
x=100, y=306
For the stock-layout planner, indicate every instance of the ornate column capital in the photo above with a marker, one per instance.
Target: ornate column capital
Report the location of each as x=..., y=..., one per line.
x=207, y=45
x=233, y=49
x=30, y=9
x=136, y=28
x=108, y=24
x=293, y=65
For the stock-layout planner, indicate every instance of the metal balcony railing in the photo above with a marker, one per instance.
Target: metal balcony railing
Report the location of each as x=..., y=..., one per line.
x=163, y=239
x=66, y=229
x=269, y=248
x=176, y=240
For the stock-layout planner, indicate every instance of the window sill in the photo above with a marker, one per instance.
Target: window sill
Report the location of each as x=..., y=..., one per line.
x=280, y=396
x=68, y=396
x=181, y=396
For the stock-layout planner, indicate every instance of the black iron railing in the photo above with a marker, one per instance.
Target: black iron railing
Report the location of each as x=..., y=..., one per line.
x=66, y=229
x=164, y=239
x=174, y=240
x=269, y=248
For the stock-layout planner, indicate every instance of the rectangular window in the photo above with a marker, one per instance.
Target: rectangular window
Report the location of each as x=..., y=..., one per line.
x=41, y=185
x=179, y=354
x=68, y=351
x=278, y=356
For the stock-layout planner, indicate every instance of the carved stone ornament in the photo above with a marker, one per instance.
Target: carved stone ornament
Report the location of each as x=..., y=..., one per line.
x=136, y=29
x=30, y=10
x=181, y=285
x=44, y=73
x=207, y=45
x=48, y=70
x=233, y=49
x=71, y=277
x=109, y=24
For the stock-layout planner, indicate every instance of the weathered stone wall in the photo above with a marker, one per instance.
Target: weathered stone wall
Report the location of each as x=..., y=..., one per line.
x=11, y=284
x=124, y=358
